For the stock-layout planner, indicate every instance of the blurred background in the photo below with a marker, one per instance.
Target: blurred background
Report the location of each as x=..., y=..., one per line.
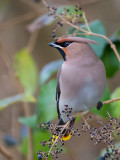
x=27, y=96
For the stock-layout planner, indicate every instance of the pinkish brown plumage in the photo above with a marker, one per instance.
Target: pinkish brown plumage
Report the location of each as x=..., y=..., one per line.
x=81, y=79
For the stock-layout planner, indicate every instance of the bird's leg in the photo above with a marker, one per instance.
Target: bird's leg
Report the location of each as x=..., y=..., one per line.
x=72, y=120
x=99, y=105
x=68, y=130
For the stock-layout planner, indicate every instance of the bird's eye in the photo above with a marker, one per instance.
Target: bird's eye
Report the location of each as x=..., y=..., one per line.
x=65, y=44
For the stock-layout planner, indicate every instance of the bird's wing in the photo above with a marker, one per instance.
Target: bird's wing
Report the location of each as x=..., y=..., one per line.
x=58, y=92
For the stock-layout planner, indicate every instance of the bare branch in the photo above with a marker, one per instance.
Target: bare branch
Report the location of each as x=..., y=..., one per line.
x=64, y=127
x=86, y=22
x=18, y=20
x=6, y=153
x=111, y=100
x=32, y=41
x=79, y=114
x=113, y=47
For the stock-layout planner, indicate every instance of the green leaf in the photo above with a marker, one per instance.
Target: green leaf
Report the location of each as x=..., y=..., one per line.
x=104, y=151
x=46, y=107
x=17, y=98
x=26, y=70
x=106, y=107
x=96, y=27
x=118, y=33
x=115, y=106
x=115, y=35
x=40, y=22
x=110, y=60
x=3, y=4
x=37, y=137
x=29, y=98
x=49, y=69
x=29, y=121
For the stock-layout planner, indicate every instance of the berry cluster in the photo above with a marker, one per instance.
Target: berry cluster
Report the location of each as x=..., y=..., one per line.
x=73, y=15
x=105, y=134
x=59, y=135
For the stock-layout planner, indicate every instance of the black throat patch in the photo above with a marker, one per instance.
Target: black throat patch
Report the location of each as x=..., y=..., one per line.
x=62, y=53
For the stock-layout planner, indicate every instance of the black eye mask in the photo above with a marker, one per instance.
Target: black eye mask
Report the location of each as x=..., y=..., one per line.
x=64, y=44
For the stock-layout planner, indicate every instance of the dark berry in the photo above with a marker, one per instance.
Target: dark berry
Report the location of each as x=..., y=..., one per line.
x=53, y=35
x=39, y=156
x=102, y=158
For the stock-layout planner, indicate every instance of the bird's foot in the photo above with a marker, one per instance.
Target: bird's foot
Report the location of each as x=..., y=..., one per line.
x=99, y=105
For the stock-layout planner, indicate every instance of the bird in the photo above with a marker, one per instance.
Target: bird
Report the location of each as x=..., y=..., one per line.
x=81, y=80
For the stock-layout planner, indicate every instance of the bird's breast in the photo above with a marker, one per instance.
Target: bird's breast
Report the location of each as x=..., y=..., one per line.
x=81, y=86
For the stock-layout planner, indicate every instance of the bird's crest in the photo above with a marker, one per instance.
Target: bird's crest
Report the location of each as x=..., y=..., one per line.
x=76, y=39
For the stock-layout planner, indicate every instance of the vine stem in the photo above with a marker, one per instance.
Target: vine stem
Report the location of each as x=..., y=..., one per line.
x=112, y=45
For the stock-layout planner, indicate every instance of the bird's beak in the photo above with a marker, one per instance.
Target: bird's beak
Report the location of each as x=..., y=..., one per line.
x=53, y=44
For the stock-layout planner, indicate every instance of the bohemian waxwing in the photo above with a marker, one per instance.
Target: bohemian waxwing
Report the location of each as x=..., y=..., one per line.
x=81, y=80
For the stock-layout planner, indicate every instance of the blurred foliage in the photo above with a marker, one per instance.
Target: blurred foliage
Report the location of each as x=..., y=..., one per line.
x=97, y=27
x=48, y=70
x=46, y=102
x=26, y=72
x=110, y=60
x=37, y=137
x=29, y=121
x=115, y=107
x=17, y=98
x=3, y=4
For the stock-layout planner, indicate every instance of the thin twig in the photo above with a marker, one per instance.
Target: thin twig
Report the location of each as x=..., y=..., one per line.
x=64, y=127
x=32, y=41
x=86, y=22
x=80, y=114
x=83, y=30
x=19, y=87
x=6, y=153
x=30, y=4
x=17, y=20
x=53, y=145
x=30, y=133
x=111, y=100
x=105, y=102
